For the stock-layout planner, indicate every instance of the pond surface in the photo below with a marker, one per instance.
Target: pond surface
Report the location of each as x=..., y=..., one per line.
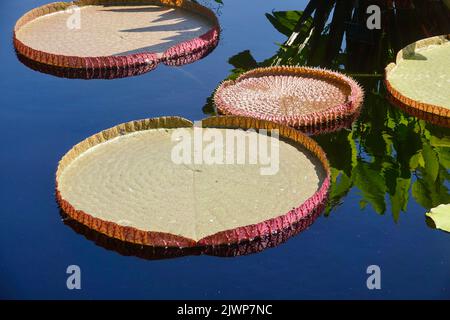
x=388, y=170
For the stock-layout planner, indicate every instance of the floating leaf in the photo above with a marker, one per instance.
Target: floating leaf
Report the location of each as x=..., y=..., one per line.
x=441, y=216
x=386, y=150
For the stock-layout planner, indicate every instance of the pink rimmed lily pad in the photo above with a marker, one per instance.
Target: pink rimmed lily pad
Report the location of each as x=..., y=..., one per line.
x=111, y=34
x=310, y=99
x=123, y=183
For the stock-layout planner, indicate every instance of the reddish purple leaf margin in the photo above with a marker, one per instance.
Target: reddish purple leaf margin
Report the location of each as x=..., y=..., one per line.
x=181, y=53
x=227, y=237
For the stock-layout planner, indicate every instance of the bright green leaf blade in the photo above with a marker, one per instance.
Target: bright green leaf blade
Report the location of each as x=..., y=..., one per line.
x=444, y=156
x=243, y=60
x=371, y=184
x=441, y=216
x=284, y=21
x=440, y=141
x=431, y=161
x=399, y=200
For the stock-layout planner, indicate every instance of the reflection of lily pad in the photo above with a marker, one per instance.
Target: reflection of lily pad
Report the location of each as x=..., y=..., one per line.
x=151, y=253
x=441, y=216
x=129, y=182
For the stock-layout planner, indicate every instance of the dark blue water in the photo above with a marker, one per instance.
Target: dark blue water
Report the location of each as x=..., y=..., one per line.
x=43, y=116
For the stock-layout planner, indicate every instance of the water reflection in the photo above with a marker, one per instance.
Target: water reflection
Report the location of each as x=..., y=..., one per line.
x=88, y=73
x=112, y=73
x=156, y=253
x=428, y=117
x=387, y=155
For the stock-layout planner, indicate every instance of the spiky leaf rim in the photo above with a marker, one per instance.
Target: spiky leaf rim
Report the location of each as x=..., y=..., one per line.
x=316, y=122
x=420, y=109
x=181, y=53
x=227, y=237
x=156, y=253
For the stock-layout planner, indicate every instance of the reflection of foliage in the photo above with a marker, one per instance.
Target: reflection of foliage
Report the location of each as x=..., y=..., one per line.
x=387, y=155
x=316, y=34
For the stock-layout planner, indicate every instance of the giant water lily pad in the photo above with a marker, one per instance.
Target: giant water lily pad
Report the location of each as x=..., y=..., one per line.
x=302, y=97
x=92, y=34
x=441, y=216
x=420, y=77
x=125, y=183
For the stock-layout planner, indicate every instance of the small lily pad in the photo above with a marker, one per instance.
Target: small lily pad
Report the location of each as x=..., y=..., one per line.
x=441, y=216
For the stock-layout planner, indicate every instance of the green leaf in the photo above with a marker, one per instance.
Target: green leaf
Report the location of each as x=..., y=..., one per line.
x=428, y=192
x=390, y=173
x=407, y=143
x=343, y=186
x=431, y=161
x=209, y=108
x=284, y=21
x=421, y=193
x=340, y=150
x=399, y=200
x=371, y=184
x=440, y=142
x=444, y=156
x=362, y=204
x=243, y=60
x=416, y=160
x=340, y=185
x=441, y=216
